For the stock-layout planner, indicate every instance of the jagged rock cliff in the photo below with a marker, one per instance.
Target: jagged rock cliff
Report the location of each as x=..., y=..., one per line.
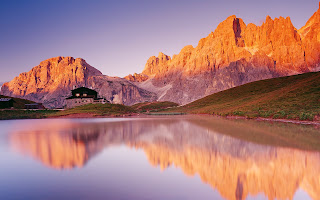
x=52, y=81
x=232, y=55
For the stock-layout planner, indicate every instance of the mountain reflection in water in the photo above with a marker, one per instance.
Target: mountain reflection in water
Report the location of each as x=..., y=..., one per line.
x=235, y=167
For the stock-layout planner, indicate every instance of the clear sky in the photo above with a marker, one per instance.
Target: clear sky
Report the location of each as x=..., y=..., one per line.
x=117, y=37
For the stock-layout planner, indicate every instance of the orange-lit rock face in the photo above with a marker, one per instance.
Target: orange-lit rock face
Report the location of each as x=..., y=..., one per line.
x=234, y=167
x=52, y=74
x=136, y=77
x=52, y=80
x=234, y=40
x=235, y=54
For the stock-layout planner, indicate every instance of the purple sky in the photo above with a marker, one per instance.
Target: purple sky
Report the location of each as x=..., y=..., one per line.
x=117, y=37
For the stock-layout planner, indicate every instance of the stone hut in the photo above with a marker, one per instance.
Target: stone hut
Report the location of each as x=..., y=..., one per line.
x=82, y=96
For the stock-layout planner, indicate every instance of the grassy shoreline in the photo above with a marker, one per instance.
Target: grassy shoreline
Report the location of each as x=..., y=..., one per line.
x=24, y=114
x=43, y=114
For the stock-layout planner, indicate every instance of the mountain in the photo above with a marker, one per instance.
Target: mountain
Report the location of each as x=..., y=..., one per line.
x=232, y=55
x=52, y=81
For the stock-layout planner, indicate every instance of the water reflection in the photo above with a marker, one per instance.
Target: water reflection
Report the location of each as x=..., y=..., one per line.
x=235, y=167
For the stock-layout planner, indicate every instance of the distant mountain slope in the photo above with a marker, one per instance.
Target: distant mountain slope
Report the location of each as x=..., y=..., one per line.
x=292, y=97
x=52, y=81
x=232, y=55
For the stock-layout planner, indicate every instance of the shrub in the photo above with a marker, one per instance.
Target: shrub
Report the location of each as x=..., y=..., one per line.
x=306, y=116
x=239, y=113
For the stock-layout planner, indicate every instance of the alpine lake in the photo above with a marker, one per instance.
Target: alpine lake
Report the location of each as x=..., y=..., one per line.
x=160, y=157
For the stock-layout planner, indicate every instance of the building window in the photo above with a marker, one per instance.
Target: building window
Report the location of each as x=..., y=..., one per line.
x=78, y=95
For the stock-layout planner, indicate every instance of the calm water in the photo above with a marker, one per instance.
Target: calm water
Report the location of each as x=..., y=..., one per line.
x=158, y=158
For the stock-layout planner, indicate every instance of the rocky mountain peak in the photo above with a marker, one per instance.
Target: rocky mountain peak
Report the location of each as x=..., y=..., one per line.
x=53, y=79
x=156, y=65
x=232, y=25
x=268, y=19
x=315, y=19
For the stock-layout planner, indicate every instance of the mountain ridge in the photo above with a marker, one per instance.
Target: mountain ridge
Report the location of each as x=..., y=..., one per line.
x=235, y=54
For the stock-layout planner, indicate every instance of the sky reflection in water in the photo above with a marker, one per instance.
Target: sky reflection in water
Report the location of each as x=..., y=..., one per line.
x=157, y=158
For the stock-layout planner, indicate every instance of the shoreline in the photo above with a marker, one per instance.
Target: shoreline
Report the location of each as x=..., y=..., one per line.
x=90, y=115
x=293, y=121
x=93, y=115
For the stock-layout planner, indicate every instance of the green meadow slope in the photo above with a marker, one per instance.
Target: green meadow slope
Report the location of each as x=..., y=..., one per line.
x=292, y=97
x=96, y=110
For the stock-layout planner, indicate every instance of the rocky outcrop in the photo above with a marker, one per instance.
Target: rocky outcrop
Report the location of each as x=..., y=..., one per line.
x=235, y=54
x=52, y=81
x=136, y=77
x=119, y=90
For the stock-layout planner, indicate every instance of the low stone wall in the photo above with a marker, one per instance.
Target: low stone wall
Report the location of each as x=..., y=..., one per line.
x=71, y=103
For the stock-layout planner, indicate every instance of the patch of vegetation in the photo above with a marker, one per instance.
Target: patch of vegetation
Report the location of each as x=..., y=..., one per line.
x=292, y=97
x=153, y=106
x=97, y=110
x=25, y=114
x=168, y=113
x=306, y=116
x=114, y=109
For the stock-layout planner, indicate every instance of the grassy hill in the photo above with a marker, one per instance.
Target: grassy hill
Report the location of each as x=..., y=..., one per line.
x=291, y=97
